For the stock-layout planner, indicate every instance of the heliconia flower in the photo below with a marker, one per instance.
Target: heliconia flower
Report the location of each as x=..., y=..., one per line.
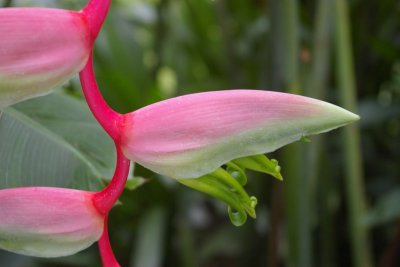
x=48, y=222
x=214, y=137
x=193, y=135
x=41, y=48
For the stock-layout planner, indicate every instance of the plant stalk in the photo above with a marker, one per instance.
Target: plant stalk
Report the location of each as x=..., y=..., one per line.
x=106, y=198
x=96, y=12
x=277, y=206
x=296, y=186
x=107, y=256
x=320, y=181
x=361, y=252
x=104, y=114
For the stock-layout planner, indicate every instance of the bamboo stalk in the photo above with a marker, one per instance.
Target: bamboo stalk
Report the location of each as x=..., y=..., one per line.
x=321, y=49
x=291, y=45
x=297, y=210
x=313, y=152
x=224, y=20
x=276, y=84
x=159, y=36
x=275, y=45
x=296, y=186
x=351, y=139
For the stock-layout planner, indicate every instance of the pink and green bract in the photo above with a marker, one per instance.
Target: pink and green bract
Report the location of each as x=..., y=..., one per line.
x=192, y=135
x=48, y=222
x=41, y=48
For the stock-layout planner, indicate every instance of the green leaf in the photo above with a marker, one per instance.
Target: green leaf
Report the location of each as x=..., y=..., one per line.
x=53, y=141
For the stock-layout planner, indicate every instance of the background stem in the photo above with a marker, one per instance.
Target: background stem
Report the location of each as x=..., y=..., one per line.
x=321, y=182
x=277, y=205
x=160, y=32
x=225, y=23
x=296, y=187
x=351, y=139
x=7, y=3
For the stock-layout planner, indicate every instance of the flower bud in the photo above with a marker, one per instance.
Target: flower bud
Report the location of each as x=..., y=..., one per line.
x=192, y=135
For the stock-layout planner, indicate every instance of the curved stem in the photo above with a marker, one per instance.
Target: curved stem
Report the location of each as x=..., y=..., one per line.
x=106, y=198
x=96, y=12
x=107, y=256
x=105, y=115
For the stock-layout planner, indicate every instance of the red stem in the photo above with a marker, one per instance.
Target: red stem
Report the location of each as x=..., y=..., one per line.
x=106, y=116
x=104, y=201
x=106, y=198
x=109, y=120
x=96, y=12
x=107, y=256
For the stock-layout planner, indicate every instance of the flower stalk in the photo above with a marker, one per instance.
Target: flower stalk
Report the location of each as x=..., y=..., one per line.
x=109, y=120
x=104, y=114
x=95, y=12
x=106, y=253
x=105, y=199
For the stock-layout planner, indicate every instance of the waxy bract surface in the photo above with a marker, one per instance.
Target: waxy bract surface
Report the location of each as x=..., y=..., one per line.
x=192, y=135
x=40, y=49
x=48, y=222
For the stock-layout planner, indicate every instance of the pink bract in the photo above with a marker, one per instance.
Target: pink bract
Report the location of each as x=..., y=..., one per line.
x=48, y=222
x=40, y=49
x=192, y=135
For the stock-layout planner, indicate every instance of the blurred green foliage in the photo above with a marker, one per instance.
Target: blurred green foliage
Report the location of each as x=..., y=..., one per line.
x=150, y=50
